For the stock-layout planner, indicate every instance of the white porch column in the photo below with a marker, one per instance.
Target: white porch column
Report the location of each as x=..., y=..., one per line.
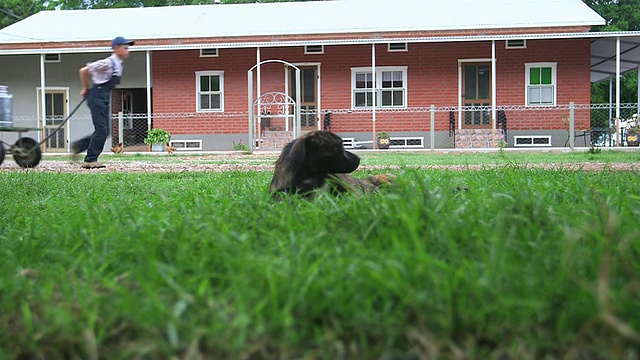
x=610, y=99
x=373, y=91
x=259, y=89
x=494, y=78
x=148, y=65
x=638, y=109
x=43, y=103
x=297, y=128
x=618, y=91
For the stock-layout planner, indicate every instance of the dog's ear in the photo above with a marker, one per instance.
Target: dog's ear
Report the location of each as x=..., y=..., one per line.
x=298, y=152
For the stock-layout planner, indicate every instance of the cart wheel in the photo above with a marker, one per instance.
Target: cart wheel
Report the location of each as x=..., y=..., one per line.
x=1, y=153
x=26, y=152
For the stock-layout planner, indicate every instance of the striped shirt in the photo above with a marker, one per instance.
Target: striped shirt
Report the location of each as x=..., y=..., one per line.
x=101, y=71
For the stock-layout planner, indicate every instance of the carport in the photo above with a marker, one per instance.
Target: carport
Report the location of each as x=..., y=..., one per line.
x=613, y=54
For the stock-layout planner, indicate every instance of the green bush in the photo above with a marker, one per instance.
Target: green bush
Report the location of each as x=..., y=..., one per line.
x=157, y=136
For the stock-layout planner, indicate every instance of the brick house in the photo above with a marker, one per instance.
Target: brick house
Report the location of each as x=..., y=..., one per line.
x=191, y=68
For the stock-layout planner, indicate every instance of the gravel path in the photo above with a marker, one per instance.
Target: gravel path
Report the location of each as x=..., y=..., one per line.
x=255, y=162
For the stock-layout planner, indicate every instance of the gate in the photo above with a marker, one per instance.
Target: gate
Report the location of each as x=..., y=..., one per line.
x=272, y=105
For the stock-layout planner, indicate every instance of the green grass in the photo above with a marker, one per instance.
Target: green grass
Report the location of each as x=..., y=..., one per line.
x=508, y=157
x=526, y=264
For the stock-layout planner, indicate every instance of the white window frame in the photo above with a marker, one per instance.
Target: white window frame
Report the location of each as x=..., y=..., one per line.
x=554, y=82
x=51, y=58
x=206, y=52
x=514, y=44
x=221, y=92
x=532, y=137
x=378, y=86
x=181, y=145
x=393, y=47
x=310, y=49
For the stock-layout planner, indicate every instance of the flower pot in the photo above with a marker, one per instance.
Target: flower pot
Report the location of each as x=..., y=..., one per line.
x=383, y=143
x=157, y=147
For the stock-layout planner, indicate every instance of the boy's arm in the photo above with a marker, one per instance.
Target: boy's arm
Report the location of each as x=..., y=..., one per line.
x=85, y=80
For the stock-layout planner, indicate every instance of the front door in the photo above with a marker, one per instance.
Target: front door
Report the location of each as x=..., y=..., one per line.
x=309, y=94
x=476, y=92
x=55, y=114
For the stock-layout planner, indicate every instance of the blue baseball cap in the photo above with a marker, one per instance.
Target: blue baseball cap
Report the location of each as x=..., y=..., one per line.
x=120, y=41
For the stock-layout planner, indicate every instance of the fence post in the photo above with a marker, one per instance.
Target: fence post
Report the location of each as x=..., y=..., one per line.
x=120, y=127
x=571, y=125
x=250, y=142
x=432, y=133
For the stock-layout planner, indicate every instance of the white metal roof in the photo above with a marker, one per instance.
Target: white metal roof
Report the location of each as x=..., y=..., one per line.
x=296, y=18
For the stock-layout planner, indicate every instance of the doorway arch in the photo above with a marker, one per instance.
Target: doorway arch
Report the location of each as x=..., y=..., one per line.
x=262, y=106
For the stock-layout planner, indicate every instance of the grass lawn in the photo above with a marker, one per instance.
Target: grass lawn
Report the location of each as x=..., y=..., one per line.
x=526, y=264
x=420, y=158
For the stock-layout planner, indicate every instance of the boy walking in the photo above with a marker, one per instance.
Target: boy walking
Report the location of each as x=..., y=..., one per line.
x=98, y=79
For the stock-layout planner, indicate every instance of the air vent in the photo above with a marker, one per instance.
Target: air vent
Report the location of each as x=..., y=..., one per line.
x=397, y=47
x=534, y=140
x=516, y=44
x=209, y=52
x=50, y=58
x=186, y=144
x=314, y=49
x=396, y=142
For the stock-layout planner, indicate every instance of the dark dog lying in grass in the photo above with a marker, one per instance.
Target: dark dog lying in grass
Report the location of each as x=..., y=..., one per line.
x=318, y=160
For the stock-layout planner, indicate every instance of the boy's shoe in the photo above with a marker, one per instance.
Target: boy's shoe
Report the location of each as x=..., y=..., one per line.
x=92, y=165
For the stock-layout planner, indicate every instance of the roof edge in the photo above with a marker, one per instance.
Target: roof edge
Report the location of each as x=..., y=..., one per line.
x=327, y=42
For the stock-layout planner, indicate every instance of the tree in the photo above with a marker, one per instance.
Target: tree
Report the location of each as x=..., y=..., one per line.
x=620, y=15
x=15, y=10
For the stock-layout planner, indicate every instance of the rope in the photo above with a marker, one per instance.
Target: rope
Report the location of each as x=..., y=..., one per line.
x=64, y=122
x=20, y=152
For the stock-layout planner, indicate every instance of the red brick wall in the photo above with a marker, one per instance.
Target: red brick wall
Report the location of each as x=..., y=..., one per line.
x=432, y=79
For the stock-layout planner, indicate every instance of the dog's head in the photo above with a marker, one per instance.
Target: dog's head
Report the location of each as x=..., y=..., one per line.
x=305, y=163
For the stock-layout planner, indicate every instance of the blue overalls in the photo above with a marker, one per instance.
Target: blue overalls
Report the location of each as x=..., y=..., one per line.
x=98, y=102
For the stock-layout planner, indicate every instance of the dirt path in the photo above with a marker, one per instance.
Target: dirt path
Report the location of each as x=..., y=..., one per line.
x=255, y=162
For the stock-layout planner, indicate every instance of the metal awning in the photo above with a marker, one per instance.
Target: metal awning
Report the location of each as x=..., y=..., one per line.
x=603, y=56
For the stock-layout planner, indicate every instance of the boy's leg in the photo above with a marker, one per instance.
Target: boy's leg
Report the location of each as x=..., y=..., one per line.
x=99, y=106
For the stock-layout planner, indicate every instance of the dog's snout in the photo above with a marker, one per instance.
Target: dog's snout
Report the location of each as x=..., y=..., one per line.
x=352, y=163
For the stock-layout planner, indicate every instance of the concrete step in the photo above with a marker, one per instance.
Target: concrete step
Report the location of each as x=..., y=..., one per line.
x=478, y=138
x=275, y=140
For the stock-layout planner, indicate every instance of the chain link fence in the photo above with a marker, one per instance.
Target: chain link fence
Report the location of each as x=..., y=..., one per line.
x=426, y=127
x=518, y=126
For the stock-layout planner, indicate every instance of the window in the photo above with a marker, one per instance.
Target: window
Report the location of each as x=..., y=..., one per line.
x=314, y=49
x=209, y=52
x=397, y=47
x=390, y=87
x=516, y=44
x=51, y=58
x=541, y=84
x=210, y=88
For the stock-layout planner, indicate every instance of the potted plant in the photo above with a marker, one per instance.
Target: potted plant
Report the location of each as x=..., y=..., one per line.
x=157, y=138
x=383, y=140
x=633, y=135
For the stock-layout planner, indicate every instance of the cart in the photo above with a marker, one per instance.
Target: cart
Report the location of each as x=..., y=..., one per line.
x=26, y=151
